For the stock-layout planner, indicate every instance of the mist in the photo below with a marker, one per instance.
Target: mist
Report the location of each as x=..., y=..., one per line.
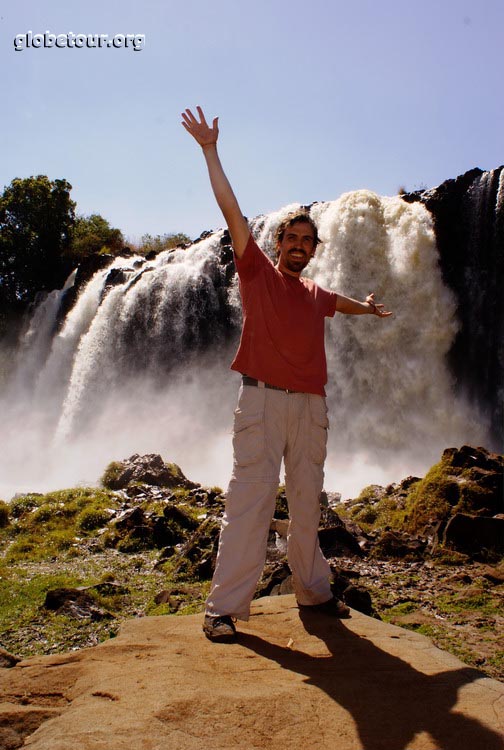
x=140, y=363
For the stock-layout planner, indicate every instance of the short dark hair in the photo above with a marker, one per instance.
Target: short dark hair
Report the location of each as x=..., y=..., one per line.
x=296, y=217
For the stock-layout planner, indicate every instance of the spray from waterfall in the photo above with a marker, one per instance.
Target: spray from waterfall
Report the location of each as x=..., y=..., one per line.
x=141, y=362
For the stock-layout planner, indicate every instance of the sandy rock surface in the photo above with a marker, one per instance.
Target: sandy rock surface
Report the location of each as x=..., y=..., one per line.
x=288, y=682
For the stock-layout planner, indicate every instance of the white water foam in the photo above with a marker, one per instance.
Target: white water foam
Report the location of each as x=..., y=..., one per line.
x=143, y=365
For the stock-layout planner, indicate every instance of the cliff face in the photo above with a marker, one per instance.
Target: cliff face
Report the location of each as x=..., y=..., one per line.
x=469, y=223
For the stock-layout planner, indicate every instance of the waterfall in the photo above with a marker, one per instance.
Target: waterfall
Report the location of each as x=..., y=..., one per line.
x=140, y=363
x=36, y=339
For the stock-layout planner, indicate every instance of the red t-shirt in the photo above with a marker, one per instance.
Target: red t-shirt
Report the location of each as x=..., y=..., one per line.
x=282, y=340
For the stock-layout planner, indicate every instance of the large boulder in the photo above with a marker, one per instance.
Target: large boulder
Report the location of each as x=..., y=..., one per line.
x=467, y=480
x=148, y=469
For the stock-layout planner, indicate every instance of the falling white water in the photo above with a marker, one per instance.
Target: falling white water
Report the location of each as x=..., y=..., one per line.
x=35, y=341
x=141, y=363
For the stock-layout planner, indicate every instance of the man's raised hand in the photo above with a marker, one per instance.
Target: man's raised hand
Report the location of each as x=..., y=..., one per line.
x=201, y=131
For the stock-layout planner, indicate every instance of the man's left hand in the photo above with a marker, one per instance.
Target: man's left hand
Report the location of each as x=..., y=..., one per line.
x=375, y=308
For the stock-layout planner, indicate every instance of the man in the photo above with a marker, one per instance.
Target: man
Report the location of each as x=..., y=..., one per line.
x=281, y=409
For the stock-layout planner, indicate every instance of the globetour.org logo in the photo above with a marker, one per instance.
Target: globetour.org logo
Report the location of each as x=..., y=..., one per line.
x=79, y=41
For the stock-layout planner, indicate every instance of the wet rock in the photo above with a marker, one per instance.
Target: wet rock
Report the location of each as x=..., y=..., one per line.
x=468, y=456
x=130, y=519
x=87, y=268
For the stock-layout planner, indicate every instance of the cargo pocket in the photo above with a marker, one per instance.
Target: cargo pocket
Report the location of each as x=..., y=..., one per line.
x=318, y=429
x=248, y=430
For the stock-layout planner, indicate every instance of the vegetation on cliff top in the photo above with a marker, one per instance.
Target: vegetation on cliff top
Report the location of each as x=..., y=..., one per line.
x=42, y=240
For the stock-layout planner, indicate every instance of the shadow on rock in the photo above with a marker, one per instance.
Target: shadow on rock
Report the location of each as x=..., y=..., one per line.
x=388, y=699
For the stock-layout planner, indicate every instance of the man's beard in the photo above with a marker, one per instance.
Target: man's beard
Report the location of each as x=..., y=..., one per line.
x=297, y=264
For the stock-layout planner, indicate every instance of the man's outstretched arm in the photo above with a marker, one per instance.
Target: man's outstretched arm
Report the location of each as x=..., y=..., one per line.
x=349, y=306
x=207, y=137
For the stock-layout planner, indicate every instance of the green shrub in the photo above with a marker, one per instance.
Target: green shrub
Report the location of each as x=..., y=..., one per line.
x=132, y=543
x=44, y=514
x=21, y=549
x=370, y=494
x=368, y=514
x=92, y=518
x=432, y=499
x=25, y=504
x=111, y=474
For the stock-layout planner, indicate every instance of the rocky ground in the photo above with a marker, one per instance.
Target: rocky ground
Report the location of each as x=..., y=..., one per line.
x=75, y=565
x=293, y=679
x=460, y=607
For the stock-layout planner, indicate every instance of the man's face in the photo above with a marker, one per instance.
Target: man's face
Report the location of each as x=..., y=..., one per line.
x=296, y=248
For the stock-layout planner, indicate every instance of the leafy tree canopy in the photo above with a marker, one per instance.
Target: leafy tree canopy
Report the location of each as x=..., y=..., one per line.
x=42, y=240
x=93, y=234
x=36, y=220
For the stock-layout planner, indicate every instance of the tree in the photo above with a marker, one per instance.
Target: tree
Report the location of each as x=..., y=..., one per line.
x=36, y=220
x=93, y=234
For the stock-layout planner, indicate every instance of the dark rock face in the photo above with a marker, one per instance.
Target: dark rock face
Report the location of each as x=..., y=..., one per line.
x=87, y=268
x=469, y=223
x=479, y=479
x=338, y=540
x=475, y=535
x=359, y=598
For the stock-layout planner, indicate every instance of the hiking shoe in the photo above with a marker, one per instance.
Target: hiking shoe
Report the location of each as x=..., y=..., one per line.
x=220, y=629
x=334, y=608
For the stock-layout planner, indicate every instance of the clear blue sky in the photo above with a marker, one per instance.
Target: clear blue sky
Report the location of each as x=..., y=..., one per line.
x=314, y=99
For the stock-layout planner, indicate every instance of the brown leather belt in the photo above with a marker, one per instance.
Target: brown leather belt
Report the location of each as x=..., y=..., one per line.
x=246, y=380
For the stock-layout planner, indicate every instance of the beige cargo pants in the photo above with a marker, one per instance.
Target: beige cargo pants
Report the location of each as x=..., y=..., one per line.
x=269, y=425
